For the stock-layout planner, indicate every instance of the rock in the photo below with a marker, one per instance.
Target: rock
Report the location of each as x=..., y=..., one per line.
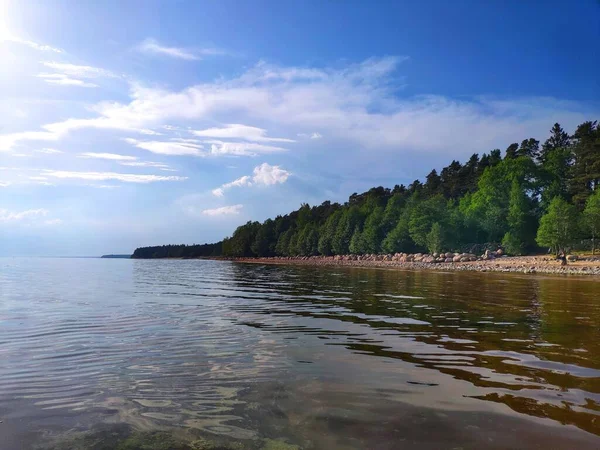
x=572, y=258
x=448, y=260
x=435, y=254
x=456, y=258
x=499, y=252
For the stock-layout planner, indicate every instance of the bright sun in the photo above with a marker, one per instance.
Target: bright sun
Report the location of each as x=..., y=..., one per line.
x=5, y=34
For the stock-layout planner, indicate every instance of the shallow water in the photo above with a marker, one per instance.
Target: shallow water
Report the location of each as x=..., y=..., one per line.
x=95, y=352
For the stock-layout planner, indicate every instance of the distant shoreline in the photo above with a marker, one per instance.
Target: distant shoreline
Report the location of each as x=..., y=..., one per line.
x=512, y=264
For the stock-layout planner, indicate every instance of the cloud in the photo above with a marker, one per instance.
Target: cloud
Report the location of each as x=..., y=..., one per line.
x=103, y=176
x=66, y=74
x=64, y=80
x=152, y=46
x=357, y=106
x=223, y=211
x=49, y=151
x=167, y=147
x=265, y=175
x=314, y=135
x=78, y=71
x=270, y=175
x=104, y=186
x=9, y=216
x=8, y=37
x=5, y=183
x=241, y=148
x=53, y=222
x=156, y=165
x=237, y=131
x=111, y=156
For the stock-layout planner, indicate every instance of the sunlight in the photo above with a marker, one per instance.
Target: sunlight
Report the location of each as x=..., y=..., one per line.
x=5, y=34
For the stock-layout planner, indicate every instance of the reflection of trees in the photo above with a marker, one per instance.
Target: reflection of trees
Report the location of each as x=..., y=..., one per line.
x=486, y=308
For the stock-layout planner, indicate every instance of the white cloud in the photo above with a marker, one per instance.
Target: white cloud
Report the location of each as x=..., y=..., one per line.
x=149, y=132
x=29, y=217
x=152, y=46
x=38, y=178
x=238, y=131
x=5, y=183
x=111, y=156
x=313, y=135
x=6, y=36
x=167, y=148
x=104, y=186
x=265, y=174
x=103, y=176
x=78, y=70
x=9, y=216
x=7, y=141
x=49, y=151
x=269, y=175
x=156, y=165
x=64, y=80
x=241, y=148
x=223, y=210
x=357, y=107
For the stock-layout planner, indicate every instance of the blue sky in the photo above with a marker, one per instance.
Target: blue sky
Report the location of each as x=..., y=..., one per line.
x=140, y=123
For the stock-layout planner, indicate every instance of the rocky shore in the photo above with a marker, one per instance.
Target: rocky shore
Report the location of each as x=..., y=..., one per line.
x=488, y=262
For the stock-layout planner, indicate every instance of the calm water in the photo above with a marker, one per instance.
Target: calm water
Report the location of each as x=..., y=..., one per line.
x=95, y=353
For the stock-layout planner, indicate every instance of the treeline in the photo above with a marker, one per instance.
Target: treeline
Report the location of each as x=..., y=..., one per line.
x=529, y=197
x=179, y=251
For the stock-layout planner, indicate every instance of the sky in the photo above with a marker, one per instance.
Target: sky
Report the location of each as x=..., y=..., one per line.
x=127, y=124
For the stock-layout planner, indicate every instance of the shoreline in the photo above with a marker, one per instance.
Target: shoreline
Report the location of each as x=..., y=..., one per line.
x=508, y=264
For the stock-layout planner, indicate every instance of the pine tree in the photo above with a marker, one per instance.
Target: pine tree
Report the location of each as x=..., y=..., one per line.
x=586, y=169
x=558, y=139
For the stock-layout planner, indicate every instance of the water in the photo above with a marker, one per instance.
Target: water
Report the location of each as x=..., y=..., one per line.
x=127, y=354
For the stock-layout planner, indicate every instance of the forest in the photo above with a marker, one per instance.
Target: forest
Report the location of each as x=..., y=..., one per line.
x=530, y=198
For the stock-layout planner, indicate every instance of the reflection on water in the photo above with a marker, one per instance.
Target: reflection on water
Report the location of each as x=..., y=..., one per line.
x=99, y=353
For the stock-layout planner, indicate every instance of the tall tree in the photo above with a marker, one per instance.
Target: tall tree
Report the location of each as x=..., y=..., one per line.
x=435, y=238
x=556, y=175
x=591, y=217
x=559, y=226
x=586, y=168
x=521, y=228
x=559, y=138
x=512, y=151
x=529, y=148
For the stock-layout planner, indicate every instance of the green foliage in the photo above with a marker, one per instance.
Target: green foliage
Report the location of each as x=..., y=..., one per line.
x=591, y=217
x=521, y=224
x=586, y=168
x=513, y=245
x=422, y=218
x=349, y=221
x=487, y=199
x=398, y=239
x=559, y=226
x=435, y=238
